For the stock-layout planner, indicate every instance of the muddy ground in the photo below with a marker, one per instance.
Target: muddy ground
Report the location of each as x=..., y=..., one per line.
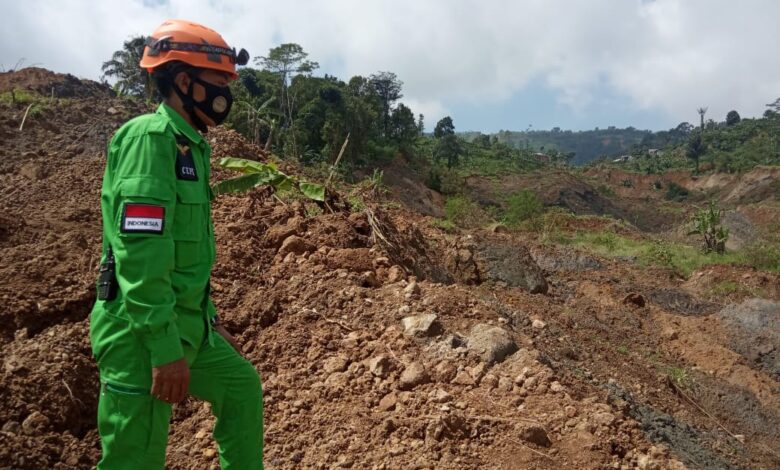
x=382, y=341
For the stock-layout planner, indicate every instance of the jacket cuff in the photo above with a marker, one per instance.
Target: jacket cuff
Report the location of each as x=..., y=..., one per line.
x=165, y=349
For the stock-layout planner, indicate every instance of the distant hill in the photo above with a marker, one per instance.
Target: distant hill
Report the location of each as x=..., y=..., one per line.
x=587, y=145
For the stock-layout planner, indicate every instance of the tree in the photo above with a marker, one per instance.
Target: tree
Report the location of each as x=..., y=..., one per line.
x=483, y=140
x=403, y=128
x=684, y=128
x=421, y=123
x=444, y=127
x=732, y=118
x=124, y=66
x=448, y=147
x=774, y=106
x=388, y=88
x=286, y=61
x=695, y=149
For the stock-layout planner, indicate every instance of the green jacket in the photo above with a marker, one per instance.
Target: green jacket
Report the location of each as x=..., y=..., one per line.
x=156, y=211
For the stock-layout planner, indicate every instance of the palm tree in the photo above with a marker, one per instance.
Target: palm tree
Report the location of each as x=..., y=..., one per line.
x=124, y=66
x=702, y=111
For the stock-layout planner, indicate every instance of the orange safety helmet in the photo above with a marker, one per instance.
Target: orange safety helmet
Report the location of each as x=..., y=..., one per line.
x=191, y=43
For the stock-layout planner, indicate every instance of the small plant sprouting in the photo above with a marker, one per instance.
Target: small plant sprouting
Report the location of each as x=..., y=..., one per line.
x=679, y=377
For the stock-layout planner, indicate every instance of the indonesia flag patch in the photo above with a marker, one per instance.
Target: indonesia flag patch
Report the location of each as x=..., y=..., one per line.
x=143, y=218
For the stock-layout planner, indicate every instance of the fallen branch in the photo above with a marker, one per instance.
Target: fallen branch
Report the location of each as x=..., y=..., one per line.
x=376, y=230
x=21, y=126
x=338, y=159
x=679, y=390
x=336, y=322
x=716, y=421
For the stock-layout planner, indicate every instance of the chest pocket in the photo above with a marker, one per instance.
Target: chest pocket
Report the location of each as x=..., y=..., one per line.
x=190, y=221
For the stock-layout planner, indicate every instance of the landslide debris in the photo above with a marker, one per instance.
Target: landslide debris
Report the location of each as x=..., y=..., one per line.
x=382, y=342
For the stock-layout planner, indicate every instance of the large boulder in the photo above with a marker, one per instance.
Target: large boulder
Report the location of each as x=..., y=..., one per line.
x=495, y=258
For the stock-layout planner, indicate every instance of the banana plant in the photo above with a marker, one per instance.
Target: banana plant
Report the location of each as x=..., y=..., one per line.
x=257, y=174
x=706, y=223
x=257, y=117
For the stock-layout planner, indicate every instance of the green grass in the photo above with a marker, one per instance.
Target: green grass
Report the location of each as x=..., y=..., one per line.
x=684, y=259
x=679, y=376
x=445, y=225
x=21, y=97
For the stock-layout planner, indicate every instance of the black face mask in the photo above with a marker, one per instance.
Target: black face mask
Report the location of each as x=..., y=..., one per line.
x=216, y=105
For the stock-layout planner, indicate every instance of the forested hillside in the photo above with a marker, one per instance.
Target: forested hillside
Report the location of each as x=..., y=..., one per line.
x=584, y=145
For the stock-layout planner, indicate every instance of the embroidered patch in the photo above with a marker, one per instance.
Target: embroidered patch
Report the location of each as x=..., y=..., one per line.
x=143, y=218
x=185, y=164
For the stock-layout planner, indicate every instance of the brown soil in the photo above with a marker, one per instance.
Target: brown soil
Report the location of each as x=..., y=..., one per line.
x=580, y=195
x=758, y=184
x=592, y=383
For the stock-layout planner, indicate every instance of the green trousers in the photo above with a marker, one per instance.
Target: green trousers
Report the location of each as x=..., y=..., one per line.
x=133, y=425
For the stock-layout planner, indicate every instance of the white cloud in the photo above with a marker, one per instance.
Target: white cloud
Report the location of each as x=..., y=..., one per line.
x=664, y=55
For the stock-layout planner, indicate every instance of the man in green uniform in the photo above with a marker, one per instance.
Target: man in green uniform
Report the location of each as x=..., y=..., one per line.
x=154, y=329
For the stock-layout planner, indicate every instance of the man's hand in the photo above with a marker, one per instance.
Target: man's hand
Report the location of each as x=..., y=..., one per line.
x=221, y=330
x=171, y=381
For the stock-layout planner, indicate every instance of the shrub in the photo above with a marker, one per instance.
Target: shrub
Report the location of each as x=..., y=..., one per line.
x=675, y=192
x=660, y=254
x=605, y=190
x=522, y=206
x=464, y=212
x=606, y=239
x=433, y=181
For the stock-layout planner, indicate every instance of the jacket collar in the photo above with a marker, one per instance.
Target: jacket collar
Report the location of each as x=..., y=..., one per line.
x=179, y=124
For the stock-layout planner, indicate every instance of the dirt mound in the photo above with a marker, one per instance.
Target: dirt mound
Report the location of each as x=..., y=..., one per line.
x=758, y=184
x=50, y=84
x=579, y=194
x=733, y=283
x=405, y=186
x=483, y=258
x=756, y=323
x=229, y=143
x=680, y=302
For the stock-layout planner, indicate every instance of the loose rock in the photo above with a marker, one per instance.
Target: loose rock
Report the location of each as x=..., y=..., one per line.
x=536, y=435
x=35, y=424
x=491, y=343
x=294, y=244
x=421, y=326
x=380, y=366
x=413, y=375
x=388, y=402
x=335, y=364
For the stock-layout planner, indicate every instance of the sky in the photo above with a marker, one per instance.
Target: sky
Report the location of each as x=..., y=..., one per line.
x=489, y=64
